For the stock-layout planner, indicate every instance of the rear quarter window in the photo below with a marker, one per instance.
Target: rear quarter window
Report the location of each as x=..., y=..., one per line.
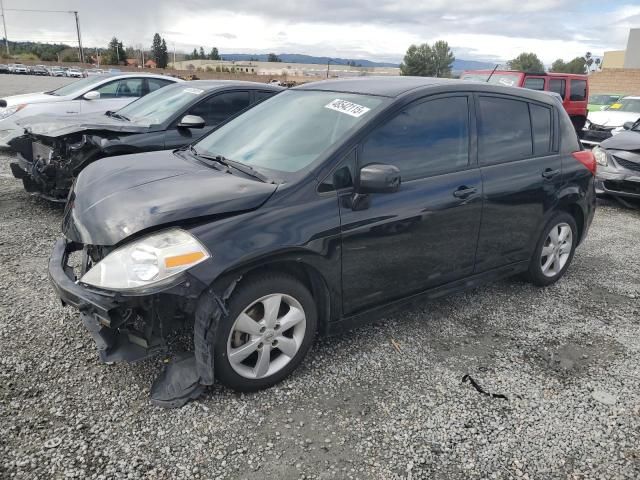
x=578, y=90
x=541, y=127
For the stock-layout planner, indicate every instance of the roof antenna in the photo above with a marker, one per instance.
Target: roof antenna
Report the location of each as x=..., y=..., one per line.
x=492, y=72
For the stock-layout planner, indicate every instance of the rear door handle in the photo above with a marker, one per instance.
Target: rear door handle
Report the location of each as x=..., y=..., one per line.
x=464, y=192
x=549, y=173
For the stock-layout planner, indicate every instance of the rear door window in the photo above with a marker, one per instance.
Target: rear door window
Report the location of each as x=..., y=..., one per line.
x=558, y=85
x=534, y=83
x=541, y=126
x=578, y=90
x=504, y=130
x=263, y=95
x=156, y=83
x=424, y=139
x=217, y=109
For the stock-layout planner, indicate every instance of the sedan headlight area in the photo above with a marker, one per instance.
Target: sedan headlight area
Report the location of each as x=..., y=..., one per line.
x=601, y=156
x=147, y=261
x=7, y=112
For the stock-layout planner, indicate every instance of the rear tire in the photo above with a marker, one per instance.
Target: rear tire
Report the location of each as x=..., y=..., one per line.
x=554, y=250
x=270, y=327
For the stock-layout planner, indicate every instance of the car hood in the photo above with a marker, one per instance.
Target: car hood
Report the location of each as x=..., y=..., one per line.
x=627, y=140
x=119, y=196
x=27, y=98
x=611, y=118
x=61, y=125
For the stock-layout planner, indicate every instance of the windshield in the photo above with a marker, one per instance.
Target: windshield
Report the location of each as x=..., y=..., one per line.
x=626, y=105
x=290, y=130
x=603, y=99
x=498, y=78
x=159, y=106
x=75, y=87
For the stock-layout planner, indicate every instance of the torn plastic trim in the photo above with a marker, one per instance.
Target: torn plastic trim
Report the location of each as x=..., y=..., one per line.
x=468, y=378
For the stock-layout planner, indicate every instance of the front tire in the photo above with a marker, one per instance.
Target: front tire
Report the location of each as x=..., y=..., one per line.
x=270, y=327
x=554, y=250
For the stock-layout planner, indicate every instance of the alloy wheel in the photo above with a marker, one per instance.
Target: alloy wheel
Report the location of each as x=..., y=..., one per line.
x=266, y=336
x=556, y=250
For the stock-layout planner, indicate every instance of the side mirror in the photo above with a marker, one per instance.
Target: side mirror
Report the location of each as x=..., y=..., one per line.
x=628, y=125
x=92, y=95
x=191, y=121
x=379, y=178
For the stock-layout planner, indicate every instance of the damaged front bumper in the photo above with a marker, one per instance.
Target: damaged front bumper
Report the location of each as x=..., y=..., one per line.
x=618, y=182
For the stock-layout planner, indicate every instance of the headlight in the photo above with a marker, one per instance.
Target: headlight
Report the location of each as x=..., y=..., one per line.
x=601, y=156
x=147, y=261
x=7, y=112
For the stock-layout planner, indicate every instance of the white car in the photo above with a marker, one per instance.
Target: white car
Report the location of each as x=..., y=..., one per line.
x=19, y=68
x=74, y=72
x=91, y=94
x=603, y=124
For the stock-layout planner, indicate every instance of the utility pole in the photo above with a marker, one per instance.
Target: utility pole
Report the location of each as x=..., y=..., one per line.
x=80, y=52
x=4, y=24
x=174, y=55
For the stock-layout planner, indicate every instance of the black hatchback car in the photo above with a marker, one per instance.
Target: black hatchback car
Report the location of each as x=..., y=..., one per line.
x=54, y=149
x=317, y=210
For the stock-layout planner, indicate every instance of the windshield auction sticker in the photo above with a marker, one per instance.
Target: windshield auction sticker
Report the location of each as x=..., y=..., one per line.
x=349, y=108
x=194, y=91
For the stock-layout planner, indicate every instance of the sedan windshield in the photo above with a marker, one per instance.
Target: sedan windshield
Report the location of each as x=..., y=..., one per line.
x=290, y=130
x=75, y=87
x=158, y=106
x=626, y=105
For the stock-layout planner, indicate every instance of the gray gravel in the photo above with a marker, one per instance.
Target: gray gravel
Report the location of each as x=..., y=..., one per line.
x=381, y=402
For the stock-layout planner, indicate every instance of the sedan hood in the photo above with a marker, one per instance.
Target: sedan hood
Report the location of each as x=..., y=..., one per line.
x=627, y=140
x=61, y=125
x=120, y=196
x=611, y=118
x=40, y=97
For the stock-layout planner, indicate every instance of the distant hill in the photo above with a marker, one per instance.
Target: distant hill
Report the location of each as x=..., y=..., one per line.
x=458, y=65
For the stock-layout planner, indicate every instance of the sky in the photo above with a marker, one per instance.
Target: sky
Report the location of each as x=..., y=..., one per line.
x=380, y=30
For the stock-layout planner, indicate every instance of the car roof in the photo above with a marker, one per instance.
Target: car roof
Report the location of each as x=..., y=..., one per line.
x=398, y=86
x=632, y=97
x=215, y=84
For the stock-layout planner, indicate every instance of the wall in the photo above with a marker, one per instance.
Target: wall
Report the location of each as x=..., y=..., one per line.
x=613, y=59
x=632, y=55
x=615, y=80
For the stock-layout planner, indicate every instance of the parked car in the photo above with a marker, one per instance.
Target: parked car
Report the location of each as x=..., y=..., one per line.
x=600, y=101
x=319, y=209
x=39, y=70
x=19, y=68
x=170, y=117
x=618, y=160
x=4, y=68
x=57, y=72
x=89, y=95
x=572, y=88
x=94, y=72
x=75, y=73
x=610, y=121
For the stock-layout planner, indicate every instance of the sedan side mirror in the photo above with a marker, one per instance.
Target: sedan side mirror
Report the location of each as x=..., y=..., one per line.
x=191, y=121
x=628, y=125
x=92, y=95
x=379, y=178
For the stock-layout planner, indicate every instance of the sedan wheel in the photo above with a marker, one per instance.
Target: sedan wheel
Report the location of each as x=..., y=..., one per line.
x=556, y=250
x=266, y=336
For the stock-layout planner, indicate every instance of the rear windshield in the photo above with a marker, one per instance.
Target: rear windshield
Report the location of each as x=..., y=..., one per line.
x=498, y=78
x=603, y=99
x=291, y=130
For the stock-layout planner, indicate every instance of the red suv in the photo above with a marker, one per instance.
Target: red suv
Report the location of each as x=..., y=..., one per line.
x=573, y=88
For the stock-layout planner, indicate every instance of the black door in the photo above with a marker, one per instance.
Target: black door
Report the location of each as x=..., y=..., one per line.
x=214, y=109
x=521, y=173
x=425, y=234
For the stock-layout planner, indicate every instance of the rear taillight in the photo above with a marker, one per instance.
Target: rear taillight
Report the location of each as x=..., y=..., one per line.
x=586, y=158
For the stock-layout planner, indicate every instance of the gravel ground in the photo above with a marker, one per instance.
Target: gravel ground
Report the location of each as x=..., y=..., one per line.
x=381, y=402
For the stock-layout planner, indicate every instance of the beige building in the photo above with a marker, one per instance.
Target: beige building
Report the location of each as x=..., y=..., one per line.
x=283, y=69
x=628, y=58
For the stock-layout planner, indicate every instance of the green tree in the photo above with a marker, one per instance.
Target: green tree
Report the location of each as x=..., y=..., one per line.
x=115, y=53
x=214, y=55
x=194, y=54
x=202, y=55
x=418, y=61
x=272, y=57
x=163, y=58
x=588, y=61
x=526, y=62
x=577, y=65
x=156, y=49
x=442, y=59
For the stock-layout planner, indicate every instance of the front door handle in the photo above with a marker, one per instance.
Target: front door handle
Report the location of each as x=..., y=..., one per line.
x=464, y=192
x=549, y=173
